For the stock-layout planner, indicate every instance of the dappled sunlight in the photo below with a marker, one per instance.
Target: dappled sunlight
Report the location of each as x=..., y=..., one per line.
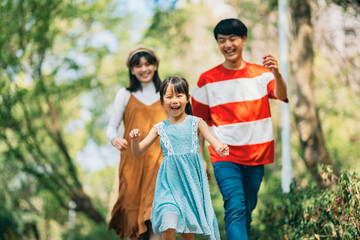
x=62, y=63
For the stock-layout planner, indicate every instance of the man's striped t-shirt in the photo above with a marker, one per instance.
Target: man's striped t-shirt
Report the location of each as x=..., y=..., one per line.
x=235, y=104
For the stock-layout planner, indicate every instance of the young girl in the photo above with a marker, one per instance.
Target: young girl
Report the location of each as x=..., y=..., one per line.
x=138, y=105
x=182, y=202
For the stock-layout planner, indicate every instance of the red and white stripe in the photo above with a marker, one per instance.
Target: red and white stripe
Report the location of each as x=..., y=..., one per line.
x=235, y=104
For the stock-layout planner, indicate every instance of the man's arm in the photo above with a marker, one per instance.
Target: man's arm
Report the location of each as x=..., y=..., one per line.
x=280, y=85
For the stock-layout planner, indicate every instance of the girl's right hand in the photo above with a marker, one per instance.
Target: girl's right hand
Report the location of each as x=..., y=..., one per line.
x=223, y=150
x=120, y=144
x=134, y=134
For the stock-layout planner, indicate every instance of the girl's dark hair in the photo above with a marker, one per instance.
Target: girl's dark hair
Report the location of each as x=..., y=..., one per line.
x=180, y=86
x=135, y=84
x=230, y=26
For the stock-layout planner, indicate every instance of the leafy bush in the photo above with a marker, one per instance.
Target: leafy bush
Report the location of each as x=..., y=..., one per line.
x=331, y=211
x=8, y=225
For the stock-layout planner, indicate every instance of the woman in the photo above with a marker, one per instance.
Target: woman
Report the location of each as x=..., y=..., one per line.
x=137, y=105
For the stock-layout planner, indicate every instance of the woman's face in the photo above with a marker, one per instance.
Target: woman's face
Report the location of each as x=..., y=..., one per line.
x=144, y=71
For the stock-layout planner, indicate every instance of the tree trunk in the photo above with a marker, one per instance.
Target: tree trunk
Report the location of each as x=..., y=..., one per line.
x=305, y=109
x=84, y=204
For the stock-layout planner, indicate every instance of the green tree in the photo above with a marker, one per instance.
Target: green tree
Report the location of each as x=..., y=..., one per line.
x=307, y=119
x=47, y=63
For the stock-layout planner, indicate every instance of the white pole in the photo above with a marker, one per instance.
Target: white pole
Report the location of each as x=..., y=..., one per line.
x=72, y=218
x=286, y=171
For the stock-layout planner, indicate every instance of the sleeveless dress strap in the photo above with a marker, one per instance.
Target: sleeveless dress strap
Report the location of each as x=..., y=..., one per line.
x=164, y=137
x=195, y=138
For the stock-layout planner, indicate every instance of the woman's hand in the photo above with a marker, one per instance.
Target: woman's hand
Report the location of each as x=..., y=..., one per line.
x=120, y=144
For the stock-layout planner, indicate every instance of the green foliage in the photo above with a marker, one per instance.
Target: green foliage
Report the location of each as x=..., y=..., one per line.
x=315, y=213
x=339, y=116
x=169, y=34
x=48, y=62
x=8, y=225
x=168, y=24
x=273, y=4
x=91, y=232
x=44, y=88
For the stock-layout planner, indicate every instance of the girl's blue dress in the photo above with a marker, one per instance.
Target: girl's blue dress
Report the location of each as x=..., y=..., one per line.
x=182, y=197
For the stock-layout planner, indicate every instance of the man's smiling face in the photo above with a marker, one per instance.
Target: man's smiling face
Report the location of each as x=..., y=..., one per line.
x=231, y=47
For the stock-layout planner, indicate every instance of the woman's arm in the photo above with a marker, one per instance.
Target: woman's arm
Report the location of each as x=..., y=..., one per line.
x=221, y=149
x=118, y=109
x=138, y=148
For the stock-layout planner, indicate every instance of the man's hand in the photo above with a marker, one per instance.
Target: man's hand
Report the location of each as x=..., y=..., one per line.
x=280, y=85
x=271, y=63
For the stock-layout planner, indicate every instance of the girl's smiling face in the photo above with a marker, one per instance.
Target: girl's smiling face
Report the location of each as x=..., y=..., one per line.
x=144, y=71
x=175, y=103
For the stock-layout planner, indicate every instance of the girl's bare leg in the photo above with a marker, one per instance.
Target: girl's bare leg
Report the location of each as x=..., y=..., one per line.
x=152, y=235
x=188, y=236
x=168, y=234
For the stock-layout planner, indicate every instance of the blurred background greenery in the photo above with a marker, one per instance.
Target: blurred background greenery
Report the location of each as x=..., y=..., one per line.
x=62, y=61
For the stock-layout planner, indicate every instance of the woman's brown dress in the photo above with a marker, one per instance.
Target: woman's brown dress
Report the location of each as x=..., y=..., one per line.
x=137, y=175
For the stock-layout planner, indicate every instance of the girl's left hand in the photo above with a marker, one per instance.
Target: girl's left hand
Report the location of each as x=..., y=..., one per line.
x=223, y=150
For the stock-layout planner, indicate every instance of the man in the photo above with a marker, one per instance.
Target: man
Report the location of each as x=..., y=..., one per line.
x=233, y=98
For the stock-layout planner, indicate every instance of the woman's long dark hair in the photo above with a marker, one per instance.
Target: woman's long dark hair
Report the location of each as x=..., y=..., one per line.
x=135, y=84
x=180, y=86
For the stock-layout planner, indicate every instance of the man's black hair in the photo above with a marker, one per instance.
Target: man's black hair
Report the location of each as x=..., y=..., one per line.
x=230, y=26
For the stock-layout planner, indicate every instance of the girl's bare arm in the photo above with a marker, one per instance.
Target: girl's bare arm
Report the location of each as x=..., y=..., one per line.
x=138, y=148
x=221, y=149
